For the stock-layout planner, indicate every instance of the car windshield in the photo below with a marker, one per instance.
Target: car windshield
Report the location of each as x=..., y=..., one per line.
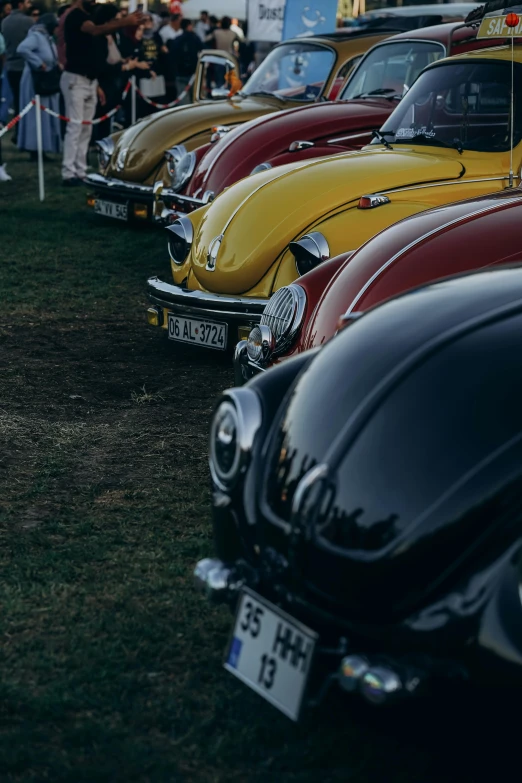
x=390, y=69
x=465, y=105
x=296, y=71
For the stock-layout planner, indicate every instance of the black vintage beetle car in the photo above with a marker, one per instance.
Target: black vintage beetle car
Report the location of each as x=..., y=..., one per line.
x=367, y=502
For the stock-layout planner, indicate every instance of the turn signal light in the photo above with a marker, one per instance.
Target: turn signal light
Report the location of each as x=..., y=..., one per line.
x=155, y=316
x=91, y=201
x=370, y=202
x=141, y=211
x=243, y=332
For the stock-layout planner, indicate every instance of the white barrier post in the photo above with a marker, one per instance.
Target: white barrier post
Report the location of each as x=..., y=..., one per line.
x=39, y=145
x=133, y=99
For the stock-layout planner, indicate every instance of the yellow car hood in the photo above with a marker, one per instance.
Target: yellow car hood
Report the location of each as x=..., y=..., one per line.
x=260, y=215
x=140, y=149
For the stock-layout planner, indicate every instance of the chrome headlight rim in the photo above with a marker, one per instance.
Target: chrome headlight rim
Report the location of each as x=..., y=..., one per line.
x=180, y=165
x=273, y=343
x=265, y=166
x=181, y=236
x=309, y=251
x=244, y=408
x=105, y=148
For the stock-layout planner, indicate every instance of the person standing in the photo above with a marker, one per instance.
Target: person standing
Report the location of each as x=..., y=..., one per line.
x=184, y=52
x=202, y=27
x=223, y=37
x=14, y=29
x=40, y=54
x=171, y=30
x=79, y=83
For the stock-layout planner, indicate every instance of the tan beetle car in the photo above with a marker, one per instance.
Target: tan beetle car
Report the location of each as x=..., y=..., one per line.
x=167, y=145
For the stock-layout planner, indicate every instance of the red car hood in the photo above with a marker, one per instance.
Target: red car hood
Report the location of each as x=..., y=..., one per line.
x=440, y=242
x=236, y=154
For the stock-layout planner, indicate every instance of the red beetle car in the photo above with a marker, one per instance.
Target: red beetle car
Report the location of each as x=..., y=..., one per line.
x=366, y=101
x=425, y=247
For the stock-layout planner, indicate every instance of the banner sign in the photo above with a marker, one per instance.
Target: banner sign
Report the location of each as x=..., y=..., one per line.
x=496, y=27
x=265, y=20
x=309, y=17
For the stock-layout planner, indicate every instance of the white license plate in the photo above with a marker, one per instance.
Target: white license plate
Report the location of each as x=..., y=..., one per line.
x=271, y=653
x=209, y=334
x=111, y=209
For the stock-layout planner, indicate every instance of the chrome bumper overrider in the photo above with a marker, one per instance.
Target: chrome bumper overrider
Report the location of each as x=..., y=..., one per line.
x=182, y=301
x=168, y=195
x=380, y=680
x=120, y=188
x=169, y=205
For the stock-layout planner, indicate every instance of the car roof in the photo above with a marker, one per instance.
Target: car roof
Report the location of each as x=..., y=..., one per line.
x=440, y=32
x=502, y=53
x=445, y=9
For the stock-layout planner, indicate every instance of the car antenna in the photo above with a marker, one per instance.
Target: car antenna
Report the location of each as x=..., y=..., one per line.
x=494, y=27
x=512, y=21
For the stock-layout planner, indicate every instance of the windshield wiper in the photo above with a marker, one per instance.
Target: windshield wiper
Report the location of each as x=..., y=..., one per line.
x=261, y=92
x=378, y=91
x=381, y=136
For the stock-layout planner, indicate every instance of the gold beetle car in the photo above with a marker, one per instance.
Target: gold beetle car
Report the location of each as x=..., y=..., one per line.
x=448, y=139
x=162, y=147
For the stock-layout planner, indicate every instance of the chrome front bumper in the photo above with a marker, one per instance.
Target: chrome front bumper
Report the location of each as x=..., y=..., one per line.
x=119, y=188
x=236, y=311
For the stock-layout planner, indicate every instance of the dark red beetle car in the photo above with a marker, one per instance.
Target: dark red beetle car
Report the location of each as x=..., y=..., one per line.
x=428, y=246
x=366, y=101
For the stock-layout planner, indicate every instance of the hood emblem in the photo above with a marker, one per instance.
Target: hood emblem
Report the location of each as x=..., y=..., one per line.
x=213, y=250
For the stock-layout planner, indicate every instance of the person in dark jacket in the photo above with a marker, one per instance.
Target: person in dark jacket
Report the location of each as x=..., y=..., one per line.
x=113, y=70
x=184, y=52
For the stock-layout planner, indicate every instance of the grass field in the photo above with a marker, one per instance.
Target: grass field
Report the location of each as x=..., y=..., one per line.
x=110, y=662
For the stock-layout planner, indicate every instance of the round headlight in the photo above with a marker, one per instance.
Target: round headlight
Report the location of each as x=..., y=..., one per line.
x=180, y=165
x=224, y=441
x=261, y=167
x=309, y=251
x=184, y=170
x=260, y=344
x=232, y=432
x=280, y=323
x=105, y=148
x=181, y=234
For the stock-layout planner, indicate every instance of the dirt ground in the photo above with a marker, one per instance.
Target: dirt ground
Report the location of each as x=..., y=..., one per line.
x=110, y=662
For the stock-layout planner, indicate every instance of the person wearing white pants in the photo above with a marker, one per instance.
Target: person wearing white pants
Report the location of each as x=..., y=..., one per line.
x=79, y=84
x=80, y=98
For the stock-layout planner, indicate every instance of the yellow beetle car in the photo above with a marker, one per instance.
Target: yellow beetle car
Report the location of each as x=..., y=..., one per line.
x=162, y=147
x=448, y=139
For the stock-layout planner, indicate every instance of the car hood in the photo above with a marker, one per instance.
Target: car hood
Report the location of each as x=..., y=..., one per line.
x=452, y=239
x=140, y=149
x=258, y=216
x=262, y=139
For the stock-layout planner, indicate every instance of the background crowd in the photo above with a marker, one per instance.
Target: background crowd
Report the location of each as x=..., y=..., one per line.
x=80, y=59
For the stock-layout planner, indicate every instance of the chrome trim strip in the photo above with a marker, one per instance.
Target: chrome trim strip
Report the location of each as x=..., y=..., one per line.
x=443, y=182
x=350, y=136
x=419, y=240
